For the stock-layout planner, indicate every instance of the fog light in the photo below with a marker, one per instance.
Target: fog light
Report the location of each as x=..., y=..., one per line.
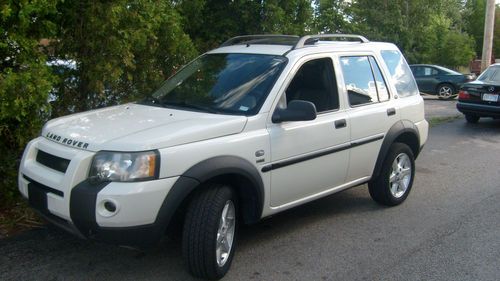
x=110, y=206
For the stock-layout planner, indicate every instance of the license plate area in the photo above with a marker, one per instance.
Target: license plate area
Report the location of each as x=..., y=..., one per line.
x=37, y=197
x=490, y=97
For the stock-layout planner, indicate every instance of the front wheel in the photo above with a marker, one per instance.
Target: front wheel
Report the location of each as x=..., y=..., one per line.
x=209, y=233
x=394, y=183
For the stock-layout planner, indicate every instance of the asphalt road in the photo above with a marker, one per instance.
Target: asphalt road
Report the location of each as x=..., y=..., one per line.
x=448, y=229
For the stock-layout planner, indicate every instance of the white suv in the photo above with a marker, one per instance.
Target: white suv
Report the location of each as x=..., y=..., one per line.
x=260, y=125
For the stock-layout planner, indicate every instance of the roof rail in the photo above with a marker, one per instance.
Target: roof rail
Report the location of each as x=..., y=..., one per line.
x=291, y=40
x=262, y=38
x=308, y=39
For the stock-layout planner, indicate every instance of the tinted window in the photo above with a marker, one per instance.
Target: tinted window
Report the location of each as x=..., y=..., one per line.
x=400, y=73
x=383, y=92
x=359, y=82
x=221, y=83
x=315, y=82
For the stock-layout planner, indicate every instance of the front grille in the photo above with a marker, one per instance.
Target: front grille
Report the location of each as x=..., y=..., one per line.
x=52, y=161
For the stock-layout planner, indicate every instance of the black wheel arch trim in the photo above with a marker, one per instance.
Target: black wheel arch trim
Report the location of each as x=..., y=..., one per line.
x=398, y=129
x=210, y=169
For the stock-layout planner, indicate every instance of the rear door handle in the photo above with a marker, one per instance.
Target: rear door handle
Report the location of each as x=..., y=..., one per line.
x=391, y=111
x=340, y=123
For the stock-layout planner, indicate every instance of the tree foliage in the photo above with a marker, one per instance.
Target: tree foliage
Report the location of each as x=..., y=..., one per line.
x=474, y=15
x=25, y=81
x=496, y=33
x=122, y=49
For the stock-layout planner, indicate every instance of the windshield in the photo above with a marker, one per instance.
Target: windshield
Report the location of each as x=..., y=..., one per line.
x=492, y=74
x=221, y=83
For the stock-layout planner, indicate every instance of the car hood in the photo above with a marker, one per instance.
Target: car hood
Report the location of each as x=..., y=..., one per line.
x=135, y=127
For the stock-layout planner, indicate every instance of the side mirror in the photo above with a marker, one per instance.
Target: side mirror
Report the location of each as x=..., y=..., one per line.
x=297, y=110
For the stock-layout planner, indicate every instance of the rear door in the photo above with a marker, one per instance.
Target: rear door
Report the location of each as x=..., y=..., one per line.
x=371, y=110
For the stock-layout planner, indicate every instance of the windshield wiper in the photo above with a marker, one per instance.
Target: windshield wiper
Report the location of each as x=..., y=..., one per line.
x=190, y=105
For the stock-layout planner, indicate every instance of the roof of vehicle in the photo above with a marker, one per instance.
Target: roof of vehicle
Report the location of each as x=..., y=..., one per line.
x=287, y=44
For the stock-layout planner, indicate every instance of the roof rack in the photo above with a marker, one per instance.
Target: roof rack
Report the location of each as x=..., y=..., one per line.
x=292, y=40
x=262, y=39
x=311, y=39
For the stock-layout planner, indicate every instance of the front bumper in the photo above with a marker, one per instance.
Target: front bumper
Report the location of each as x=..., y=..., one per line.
x=69, y=200
x=481, y=110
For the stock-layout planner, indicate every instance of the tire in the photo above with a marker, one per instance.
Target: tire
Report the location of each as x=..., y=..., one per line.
x=445, y=91
x=392, y=194
x=471, y=118
x=205, y=233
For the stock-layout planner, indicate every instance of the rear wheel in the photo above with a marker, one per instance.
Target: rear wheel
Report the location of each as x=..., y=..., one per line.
x=394, y=183
x=471, y=118
x=209, y=233
x=446, y=91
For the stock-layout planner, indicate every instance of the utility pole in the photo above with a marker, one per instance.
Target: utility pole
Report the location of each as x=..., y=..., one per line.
x=489, y=22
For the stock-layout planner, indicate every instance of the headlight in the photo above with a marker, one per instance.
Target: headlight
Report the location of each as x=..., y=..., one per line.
x=125, y=166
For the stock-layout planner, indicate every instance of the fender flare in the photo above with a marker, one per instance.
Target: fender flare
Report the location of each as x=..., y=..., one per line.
x=399, y=128
x=206, y=170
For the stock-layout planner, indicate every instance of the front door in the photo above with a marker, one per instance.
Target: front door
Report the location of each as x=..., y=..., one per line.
x=309, y=157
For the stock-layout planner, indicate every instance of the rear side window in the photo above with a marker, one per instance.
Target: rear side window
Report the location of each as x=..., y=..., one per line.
x=363, y=80
x=400, y=73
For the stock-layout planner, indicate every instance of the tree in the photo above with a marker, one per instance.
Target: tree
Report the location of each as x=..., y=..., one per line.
x=287, y=16
x=427, y=31
x=25, y=81
x=122, y=50
x=474, y=14
x=332, y=16
x=211, y=22
x=496, y=33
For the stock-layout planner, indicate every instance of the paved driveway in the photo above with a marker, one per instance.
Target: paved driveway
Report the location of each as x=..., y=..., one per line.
x=435, y=107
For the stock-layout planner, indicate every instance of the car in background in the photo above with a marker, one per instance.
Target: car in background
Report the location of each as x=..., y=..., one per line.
x=438, y=80
x=480, y=98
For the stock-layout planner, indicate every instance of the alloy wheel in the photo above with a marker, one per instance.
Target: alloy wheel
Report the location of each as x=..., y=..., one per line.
x=400, y=176
x=225, y=233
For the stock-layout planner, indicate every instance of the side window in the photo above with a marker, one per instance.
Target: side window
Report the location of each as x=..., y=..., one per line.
x=429, y=71
x=358, y=77
x=315, y=82
x=383, y=92
x=400, y=73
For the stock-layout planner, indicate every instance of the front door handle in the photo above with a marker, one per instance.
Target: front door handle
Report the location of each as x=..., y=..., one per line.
x=340, y=123
x=391, y=111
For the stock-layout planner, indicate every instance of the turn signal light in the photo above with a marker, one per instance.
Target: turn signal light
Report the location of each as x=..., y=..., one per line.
x=463, y=95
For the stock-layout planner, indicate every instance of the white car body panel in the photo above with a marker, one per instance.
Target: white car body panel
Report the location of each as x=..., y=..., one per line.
x=135, y=127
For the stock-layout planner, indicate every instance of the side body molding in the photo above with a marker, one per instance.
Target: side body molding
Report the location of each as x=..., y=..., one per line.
x=403, y=131
x=238, y=171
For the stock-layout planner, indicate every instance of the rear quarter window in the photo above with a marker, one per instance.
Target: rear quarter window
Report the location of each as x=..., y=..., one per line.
x=401, y=74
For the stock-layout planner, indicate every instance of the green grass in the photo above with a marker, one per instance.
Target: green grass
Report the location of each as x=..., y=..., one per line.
x=434, y=121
